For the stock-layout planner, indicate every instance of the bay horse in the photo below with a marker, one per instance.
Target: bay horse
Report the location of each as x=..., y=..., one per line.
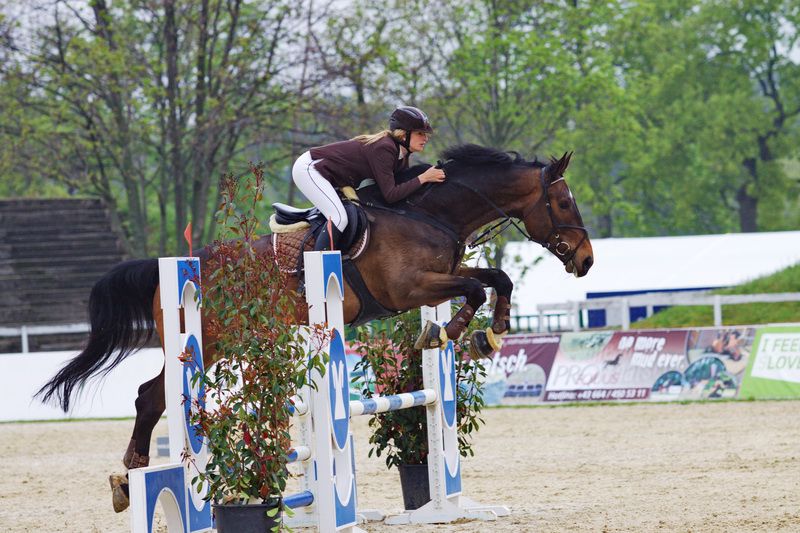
x=413, y=258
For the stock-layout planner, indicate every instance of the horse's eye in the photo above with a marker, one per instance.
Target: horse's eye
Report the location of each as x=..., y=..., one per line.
x=563, y=204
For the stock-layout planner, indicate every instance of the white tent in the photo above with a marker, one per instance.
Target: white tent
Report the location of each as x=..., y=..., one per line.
x=650, y=263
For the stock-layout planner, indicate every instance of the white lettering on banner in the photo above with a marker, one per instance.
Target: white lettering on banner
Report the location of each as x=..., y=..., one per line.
x=656, y=360
x=778, y=357
x=595, y=375
x=650, y=344
x=625, y=342
x=643, y=360
x=506, y=364
x=670, y=360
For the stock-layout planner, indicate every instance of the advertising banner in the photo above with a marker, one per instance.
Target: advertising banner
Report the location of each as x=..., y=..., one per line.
x=614, y=365
x=774, y=368
x=638, y=365
x=518, y=373
x=656, y=365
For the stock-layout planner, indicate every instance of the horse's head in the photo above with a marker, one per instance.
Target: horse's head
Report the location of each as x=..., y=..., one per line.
x=485, y=184
x=553, y=219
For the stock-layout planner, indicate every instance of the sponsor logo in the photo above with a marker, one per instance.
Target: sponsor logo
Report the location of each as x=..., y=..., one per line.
x=778, y=357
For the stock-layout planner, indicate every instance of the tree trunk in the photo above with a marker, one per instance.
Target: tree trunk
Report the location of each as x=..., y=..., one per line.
x=748, y=210
x=748, y=204
x=605, y=225
x=115, y=98
x=173, y=126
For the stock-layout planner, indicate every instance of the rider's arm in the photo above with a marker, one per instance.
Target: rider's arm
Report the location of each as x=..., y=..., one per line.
x=382, y=159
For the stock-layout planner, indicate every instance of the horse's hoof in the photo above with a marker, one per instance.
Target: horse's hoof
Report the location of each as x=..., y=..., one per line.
x=480, y=345
x=495, y=339
x=119, y=492
x=431, y=337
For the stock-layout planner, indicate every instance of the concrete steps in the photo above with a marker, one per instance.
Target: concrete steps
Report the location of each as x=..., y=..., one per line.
x=51, y=254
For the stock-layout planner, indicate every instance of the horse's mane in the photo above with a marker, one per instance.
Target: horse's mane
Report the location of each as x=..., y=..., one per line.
x=475, y=155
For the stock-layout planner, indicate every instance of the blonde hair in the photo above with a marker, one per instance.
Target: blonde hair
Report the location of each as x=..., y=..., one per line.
x=398, y=135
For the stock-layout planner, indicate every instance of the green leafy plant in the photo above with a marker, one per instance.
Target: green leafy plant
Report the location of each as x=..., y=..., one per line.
x=262, y=361
x=390, y=365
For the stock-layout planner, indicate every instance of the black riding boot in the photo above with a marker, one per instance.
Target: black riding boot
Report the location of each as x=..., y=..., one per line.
x=323, y=240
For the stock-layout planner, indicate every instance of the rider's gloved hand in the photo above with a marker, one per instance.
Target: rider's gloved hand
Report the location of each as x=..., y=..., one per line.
x=432, y=175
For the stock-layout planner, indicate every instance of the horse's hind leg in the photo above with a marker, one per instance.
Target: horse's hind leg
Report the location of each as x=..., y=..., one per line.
x=150, y=406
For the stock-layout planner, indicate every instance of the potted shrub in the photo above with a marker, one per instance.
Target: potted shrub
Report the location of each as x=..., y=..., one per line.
x=390, y=365
x=261, y=363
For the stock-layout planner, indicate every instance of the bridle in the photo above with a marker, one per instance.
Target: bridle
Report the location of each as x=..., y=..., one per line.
x=553, y=242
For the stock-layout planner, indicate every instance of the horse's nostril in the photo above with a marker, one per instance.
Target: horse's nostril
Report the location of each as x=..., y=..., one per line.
x=587, y=263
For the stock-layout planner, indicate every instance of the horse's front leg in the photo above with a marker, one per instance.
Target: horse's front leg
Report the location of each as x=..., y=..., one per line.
x=433, y=287
x=501, y=283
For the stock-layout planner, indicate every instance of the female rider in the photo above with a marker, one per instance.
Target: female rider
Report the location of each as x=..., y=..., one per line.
x=378, y=156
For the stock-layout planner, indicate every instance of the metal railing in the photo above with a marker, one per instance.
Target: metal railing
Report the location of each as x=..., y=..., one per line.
x=568, y=316
x=554, y=317
x=26, y=331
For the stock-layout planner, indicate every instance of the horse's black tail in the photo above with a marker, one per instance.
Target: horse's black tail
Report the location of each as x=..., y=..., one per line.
x=121, y=317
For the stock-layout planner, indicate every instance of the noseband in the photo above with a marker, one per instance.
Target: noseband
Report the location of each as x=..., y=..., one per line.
x=553, y=242
x=562, y=249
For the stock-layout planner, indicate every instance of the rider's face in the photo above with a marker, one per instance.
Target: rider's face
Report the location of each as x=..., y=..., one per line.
x=418, y=141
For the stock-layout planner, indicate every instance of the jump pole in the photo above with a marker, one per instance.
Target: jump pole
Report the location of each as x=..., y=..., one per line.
x=330, y=476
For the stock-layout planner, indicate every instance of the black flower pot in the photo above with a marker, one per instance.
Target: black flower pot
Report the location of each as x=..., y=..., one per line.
x=414, y=482
x=247, y=518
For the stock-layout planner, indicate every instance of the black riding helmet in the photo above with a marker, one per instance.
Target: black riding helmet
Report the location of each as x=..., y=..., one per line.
x=409, y=118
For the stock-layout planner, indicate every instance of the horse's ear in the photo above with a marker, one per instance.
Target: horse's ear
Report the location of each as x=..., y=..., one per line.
x=560, y=166
x=566, y=163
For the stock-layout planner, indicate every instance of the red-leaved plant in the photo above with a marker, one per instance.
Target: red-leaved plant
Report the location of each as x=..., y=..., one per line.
x=390, y=365
x=262, y=360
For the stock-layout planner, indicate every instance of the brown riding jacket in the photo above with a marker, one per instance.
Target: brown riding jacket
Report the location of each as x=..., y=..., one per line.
x=347, y=163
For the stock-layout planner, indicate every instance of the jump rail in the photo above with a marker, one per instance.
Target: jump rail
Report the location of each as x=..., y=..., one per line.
x=329, y=477
x=325, y=444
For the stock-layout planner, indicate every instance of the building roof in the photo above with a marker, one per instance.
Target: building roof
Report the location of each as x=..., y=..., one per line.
x=651, y=263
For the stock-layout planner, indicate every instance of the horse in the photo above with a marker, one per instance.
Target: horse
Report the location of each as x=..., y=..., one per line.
x=413, y=258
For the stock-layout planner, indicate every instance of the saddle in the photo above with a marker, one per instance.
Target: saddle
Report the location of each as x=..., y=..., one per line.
x=296, y=230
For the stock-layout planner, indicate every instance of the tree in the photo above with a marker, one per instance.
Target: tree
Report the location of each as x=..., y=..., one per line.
x=716, y=104
x=162, y=98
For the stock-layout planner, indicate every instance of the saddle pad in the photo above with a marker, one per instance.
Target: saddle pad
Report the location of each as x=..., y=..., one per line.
x=277, y=227
x=288, y=253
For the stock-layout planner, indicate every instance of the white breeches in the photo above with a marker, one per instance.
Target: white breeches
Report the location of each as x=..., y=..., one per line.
x=319, y=190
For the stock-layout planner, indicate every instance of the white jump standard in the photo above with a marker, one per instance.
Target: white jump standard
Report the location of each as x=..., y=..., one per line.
x=325, y=443
x=171, y=484
x=333, y=488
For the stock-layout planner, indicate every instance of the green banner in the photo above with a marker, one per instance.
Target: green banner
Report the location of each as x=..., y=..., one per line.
x=774, y=368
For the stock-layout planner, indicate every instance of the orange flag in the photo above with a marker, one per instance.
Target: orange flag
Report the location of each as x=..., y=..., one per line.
x=187, y=234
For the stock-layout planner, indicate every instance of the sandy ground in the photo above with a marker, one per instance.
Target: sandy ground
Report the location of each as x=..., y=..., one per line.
x=732, y=466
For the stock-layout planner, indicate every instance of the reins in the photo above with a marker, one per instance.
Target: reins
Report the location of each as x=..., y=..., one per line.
x=559, y=247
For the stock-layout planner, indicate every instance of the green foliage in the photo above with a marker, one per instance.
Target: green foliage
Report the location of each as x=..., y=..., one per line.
x=787, y=280
x=144, y=106
x=683, y=114
x=390, y=365
x=262, y=360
